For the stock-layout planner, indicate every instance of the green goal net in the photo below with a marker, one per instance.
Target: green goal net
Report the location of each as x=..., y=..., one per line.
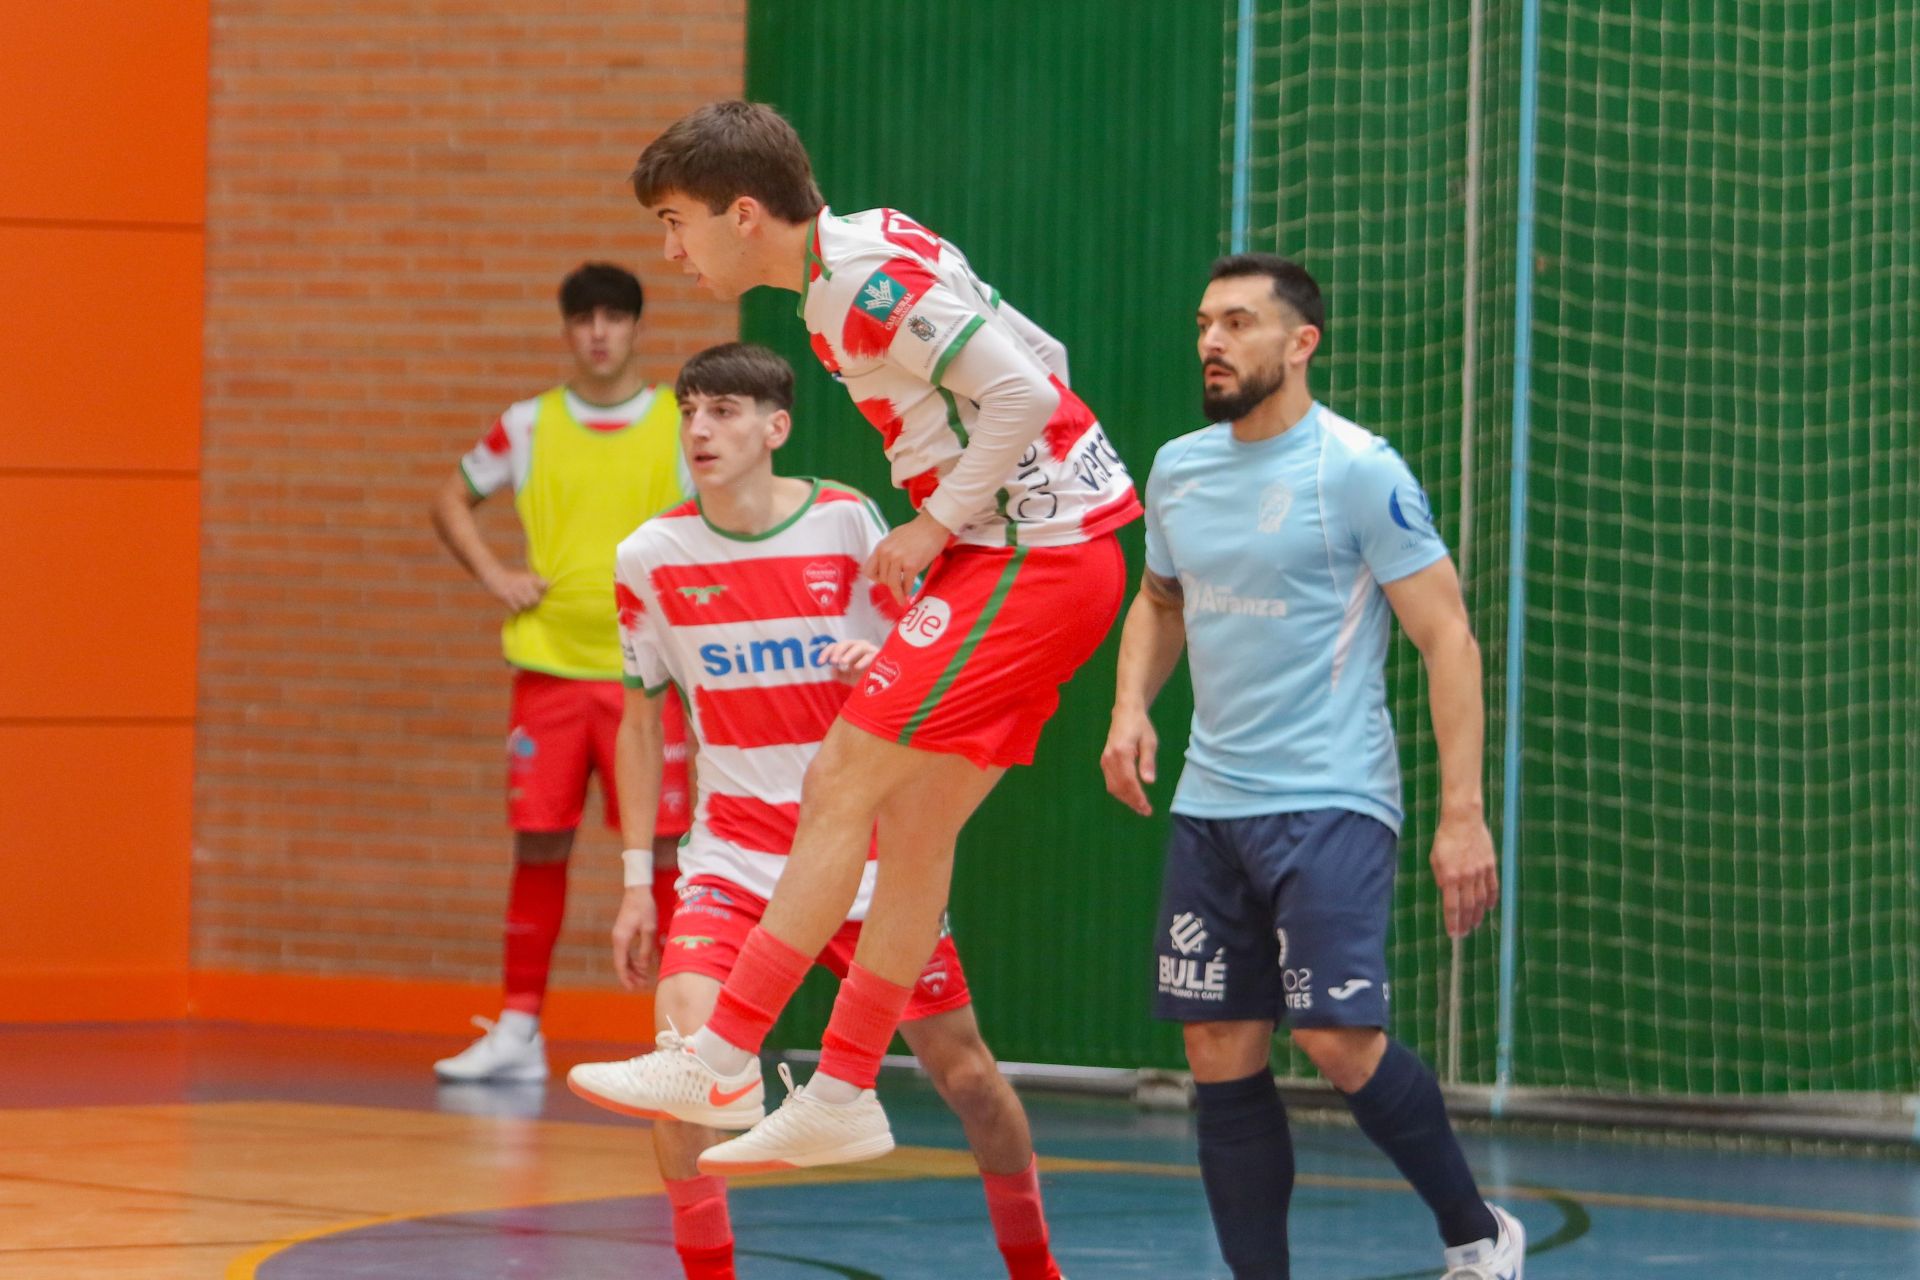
x=1719, y=836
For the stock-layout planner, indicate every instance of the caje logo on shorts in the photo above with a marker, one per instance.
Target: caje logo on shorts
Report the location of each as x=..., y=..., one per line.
x=926, y=622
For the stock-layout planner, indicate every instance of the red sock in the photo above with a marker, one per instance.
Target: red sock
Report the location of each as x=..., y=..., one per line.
x=702, y=1233
x=535, y=906
x=865, y=1016
x=764, y=978
x=1020, y=1224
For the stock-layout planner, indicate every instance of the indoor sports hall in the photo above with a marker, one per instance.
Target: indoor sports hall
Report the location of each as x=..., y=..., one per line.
x=1629, y=284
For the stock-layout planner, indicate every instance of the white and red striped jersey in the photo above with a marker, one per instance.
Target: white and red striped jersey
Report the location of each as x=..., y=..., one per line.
x=890, y=305
x=740, y=625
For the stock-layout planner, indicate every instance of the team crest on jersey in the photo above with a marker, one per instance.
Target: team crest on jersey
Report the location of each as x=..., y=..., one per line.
x=824, y=583
x=1275, y=501
x=880, y=676
x=921, y=328
x=933, y=978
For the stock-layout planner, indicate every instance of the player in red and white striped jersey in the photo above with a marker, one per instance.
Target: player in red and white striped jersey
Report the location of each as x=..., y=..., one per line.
x=749, y=601
x=1018, y=493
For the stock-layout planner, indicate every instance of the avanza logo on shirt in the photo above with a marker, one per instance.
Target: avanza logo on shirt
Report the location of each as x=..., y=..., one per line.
x=1205, y=597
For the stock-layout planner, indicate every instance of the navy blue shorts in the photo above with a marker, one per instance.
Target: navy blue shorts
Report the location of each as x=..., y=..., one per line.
x=1279, y=917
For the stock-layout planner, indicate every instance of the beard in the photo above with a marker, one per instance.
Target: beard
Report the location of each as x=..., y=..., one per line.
x=1231, y=406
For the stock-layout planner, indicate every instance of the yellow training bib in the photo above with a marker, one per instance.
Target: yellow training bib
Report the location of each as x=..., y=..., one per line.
x=587, y=488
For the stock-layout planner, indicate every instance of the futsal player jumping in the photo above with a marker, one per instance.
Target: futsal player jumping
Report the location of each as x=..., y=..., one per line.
x=1018, y=493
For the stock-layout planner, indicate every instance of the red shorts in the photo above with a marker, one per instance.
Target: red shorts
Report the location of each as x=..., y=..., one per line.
x=563, y=730
x=714, y=917
x=975, y=667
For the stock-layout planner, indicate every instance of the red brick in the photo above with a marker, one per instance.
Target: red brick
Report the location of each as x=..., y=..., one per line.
x=395, y=188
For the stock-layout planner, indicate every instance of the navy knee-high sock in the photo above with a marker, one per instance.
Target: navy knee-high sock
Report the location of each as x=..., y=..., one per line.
x=1401, y=1109
x=1246, y=1162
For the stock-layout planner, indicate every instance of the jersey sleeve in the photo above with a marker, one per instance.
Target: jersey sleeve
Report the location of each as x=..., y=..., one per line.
x=643, y=666
x=1388, y=513
x=1159, y=561
x=898, y=308
x=499, y=458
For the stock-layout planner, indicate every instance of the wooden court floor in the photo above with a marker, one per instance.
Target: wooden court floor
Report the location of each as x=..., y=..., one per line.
x=204, y=1151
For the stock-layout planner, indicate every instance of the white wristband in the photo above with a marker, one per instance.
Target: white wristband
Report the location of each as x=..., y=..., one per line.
x=639, y=867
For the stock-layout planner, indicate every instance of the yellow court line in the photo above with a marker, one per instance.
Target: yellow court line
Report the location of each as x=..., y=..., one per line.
x=246, y=1267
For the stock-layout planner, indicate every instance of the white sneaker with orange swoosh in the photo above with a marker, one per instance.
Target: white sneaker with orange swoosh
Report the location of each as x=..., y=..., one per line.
x=672, y=1083
x=805, y=1131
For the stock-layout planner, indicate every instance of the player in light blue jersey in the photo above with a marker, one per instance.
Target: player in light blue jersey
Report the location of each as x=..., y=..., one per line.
x=1281, y=541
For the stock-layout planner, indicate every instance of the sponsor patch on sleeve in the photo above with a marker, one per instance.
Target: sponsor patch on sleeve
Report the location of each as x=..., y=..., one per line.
x=882, y=304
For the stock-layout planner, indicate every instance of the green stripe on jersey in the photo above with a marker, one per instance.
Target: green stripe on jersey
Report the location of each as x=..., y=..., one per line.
x=967, y=646
x=953, y=416
x=953, y=348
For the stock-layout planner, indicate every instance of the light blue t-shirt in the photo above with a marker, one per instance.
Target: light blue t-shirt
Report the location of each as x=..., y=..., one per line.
x=1281, y=547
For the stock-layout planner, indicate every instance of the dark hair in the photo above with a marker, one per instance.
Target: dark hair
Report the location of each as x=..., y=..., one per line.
x=1291, y=283
x=600, y=284
x=726, y=150
x=737, y=369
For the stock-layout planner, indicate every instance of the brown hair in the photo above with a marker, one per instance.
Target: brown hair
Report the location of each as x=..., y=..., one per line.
x=726, y=150
x=737, y=369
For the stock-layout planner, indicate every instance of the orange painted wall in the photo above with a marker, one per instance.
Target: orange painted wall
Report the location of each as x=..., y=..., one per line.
x=102, y=245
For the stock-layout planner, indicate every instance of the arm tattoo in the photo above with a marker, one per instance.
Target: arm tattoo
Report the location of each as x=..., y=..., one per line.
x=1161, y=590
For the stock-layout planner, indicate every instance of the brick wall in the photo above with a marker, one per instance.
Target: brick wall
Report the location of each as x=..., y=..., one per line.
x=395, y=188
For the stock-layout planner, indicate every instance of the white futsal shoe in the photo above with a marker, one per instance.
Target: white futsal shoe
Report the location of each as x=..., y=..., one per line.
x=672, y=1083
x=1502, y=1258
x=805, y=1132
x=503, y=1054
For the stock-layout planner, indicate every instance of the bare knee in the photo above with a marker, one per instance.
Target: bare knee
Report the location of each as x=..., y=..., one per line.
x=836, y=781
x=971, y=1083
x=959, y=1064
x=542, y=848
x=1345, y=1056
x=1219, y=1051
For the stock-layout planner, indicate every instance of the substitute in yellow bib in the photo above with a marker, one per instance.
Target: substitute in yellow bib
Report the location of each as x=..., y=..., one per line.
x=587, y=462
